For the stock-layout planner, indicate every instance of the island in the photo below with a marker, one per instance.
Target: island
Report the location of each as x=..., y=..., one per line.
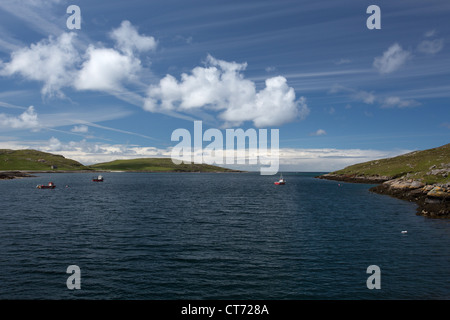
x=420, y=176
x=22, y=163
x=157, y=165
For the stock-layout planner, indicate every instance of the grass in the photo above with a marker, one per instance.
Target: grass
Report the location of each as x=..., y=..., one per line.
x=33, y=160
x=417, y=165
x=156, y=165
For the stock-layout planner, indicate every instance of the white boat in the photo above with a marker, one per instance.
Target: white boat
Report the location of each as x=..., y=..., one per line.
x=98, y=179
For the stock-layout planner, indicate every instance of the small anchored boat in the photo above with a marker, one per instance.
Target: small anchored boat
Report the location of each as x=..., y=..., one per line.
x=50, y=185
x=281, y=181
x=98, y=179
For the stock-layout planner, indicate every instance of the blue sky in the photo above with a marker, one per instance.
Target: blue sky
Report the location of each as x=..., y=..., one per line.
x=137, y=70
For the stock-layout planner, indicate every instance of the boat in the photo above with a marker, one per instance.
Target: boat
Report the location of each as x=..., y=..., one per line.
x=281, y=181
x=50, y=185
x=98, y=179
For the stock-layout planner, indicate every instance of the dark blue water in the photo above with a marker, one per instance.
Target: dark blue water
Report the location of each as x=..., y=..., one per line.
x=215, y=236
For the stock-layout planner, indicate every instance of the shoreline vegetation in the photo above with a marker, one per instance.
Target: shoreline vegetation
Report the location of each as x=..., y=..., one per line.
x=422, y=177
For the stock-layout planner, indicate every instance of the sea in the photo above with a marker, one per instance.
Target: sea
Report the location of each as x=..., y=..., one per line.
x=214, y=236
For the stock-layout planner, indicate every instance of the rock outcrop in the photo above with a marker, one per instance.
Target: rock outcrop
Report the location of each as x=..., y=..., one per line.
x=433, y=200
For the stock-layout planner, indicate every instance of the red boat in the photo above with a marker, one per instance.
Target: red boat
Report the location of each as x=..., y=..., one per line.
x=98, y=179
x=281, y=181
x=50, y=185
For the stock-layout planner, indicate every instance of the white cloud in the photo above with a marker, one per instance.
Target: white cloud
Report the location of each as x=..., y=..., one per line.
x=58, y=62
x=93, y=152
x=392, y=59
x=54, y=145
x=80, y=129
x=51, y=61
x=364, y=96
x=319, y=132
x=105, y=69
x=129, y=40
x=27, y=120
x=392, y=102
x=220, y=86
x=431, y=46
x=328, y=159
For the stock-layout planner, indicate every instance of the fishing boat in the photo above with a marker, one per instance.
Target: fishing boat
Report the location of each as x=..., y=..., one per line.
x=50, y=185
x=281, y=181
x=98, y=179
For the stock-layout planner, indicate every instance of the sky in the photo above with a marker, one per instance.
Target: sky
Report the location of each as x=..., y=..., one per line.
x=135, y=71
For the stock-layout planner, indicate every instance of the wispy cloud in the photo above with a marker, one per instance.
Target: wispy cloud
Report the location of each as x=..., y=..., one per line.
x=343, y=61
x=10, y=106
x=319, y=132
x=430, y=33
x=35, y=14
x=392, y=59
x=431, y=46
x=355, y=94
x=391, y=102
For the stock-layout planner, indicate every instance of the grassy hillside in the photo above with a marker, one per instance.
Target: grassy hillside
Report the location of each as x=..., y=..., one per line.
x=36, y=161
x=429, y=166
x=156, y=165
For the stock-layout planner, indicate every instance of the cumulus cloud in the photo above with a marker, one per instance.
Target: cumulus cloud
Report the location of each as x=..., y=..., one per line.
x=58, y=63
x=27, y=120
x=51, y=61
x=105, y=69
x=54, y=145
x=221, y=86
x=392, y=59
x=129, y=40
x=431, y=46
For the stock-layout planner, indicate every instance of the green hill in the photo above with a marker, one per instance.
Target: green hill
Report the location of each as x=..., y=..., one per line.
x=156, y=165
x=33, y=160
x=429, y=166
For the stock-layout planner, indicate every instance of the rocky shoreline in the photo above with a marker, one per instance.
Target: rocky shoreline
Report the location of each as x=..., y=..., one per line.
x=8, y=175
x=433, y=200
